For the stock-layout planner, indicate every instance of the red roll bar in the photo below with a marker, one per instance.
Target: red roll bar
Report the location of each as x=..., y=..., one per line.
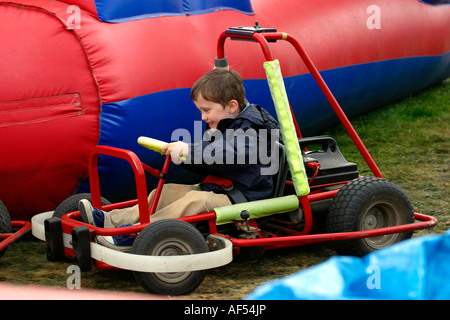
x=263, y=39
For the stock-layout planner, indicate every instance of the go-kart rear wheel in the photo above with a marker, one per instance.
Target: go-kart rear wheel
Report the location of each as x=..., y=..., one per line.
x=166, y=238
x=70, y=204
x=5, y=222
x=369, y=203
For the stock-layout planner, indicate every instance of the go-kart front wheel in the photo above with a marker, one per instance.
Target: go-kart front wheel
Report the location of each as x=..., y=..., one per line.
x=70, y=204
x=167, y=238
x=369, y=203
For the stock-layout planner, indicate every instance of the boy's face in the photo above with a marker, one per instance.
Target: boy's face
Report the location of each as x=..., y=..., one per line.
x=213, y=112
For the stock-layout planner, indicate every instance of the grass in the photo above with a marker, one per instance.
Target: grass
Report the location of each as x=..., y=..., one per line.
x=409, y=141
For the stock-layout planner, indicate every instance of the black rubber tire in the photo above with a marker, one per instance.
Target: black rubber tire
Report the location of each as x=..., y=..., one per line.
x=5, y=222
x=70, y=204
x=368, y=203
x=169, y=237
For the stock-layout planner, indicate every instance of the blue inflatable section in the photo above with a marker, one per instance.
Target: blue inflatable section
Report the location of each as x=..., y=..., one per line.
x=434, y=2
x=159, y=114
x=416, y=269
x=124, y=10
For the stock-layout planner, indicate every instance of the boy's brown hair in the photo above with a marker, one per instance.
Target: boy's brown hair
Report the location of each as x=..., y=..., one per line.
x=220, y=86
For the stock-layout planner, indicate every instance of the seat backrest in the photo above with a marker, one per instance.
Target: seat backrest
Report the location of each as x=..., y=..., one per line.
x=333, y=166
x=279, y=179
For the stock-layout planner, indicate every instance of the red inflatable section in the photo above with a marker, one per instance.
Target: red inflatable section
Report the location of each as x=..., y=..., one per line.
x=49, y=110
x=150, y=55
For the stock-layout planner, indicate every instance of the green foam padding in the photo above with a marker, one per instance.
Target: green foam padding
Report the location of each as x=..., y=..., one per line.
x=256, y=209
x=287, y=128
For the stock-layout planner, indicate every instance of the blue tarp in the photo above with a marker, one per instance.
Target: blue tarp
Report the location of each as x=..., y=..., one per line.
x=416, y=269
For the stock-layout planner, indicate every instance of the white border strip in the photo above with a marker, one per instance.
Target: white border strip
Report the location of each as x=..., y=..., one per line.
x=143, y=263
x=193, y=262
x=37, y=224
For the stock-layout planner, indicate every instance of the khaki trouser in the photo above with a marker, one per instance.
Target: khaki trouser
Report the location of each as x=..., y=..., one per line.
x=176, y=200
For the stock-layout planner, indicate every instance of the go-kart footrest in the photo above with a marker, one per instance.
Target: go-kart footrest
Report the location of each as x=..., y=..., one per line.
x=81, y=243
x=54, y=239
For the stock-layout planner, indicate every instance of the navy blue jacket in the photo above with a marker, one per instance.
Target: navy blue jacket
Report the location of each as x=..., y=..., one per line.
x=240, y=150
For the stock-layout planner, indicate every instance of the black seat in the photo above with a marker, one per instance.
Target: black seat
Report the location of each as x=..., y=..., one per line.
x=279, y=179
x=333, y=166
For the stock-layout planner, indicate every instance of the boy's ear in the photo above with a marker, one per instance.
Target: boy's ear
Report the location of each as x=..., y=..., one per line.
x=233, y=106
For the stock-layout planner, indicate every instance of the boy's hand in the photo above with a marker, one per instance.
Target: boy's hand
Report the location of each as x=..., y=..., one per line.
x=177, y=150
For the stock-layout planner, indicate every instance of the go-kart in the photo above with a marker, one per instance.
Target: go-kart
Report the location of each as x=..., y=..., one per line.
x=316, y=188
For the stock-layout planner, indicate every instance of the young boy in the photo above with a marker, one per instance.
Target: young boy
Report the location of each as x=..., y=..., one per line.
x=236, y=133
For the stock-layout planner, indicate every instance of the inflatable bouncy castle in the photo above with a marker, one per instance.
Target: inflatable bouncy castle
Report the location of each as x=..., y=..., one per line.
x=78, y=73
